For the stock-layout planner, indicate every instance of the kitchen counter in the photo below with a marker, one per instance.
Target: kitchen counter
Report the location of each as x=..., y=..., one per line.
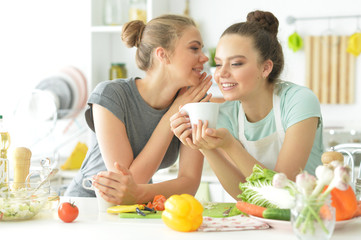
x=93, y=225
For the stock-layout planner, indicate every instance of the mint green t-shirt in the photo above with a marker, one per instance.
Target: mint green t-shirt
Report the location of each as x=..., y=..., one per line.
x=297, y=104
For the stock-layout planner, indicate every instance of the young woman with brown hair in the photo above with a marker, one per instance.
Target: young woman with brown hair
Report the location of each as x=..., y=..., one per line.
x=264, y=120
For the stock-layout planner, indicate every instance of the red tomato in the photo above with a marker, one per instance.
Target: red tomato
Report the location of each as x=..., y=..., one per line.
x=68, y=212
x=149, y=205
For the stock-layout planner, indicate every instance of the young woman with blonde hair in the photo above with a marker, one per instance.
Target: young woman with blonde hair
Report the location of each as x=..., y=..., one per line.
x=130, y=117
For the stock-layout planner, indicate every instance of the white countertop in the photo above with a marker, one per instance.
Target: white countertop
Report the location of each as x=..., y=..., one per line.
x=172, y=173
x=93, y=225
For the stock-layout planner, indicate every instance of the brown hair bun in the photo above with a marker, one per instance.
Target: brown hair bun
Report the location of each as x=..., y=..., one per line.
x=328, y=157
x=265, y=20
x=132, y=33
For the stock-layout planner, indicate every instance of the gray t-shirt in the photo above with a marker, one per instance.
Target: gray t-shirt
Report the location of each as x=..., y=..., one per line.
x=122, y=98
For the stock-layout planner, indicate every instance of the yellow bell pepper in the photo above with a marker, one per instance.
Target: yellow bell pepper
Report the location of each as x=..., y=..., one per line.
x=183, y=213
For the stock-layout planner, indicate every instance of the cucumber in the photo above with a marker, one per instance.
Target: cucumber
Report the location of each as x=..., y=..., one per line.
x=277, y=213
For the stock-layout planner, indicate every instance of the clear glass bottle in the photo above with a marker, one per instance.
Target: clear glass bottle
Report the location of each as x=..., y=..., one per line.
x=138, y=10
x=117, y=70
x=4, y=163
x=112, y=12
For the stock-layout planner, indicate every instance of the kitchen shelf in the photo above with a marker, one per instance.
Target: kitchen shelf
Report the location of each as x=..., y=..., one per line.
x=106, y=44
x=106, y=29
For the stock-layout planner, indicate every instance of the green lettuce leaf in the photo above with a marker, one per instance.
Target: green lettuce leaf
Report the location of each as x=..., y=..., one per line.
x=258, y=190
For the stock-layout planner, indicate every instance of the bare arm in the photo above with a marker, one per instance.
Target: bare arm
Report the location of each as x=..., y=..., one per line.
x=114, y=143
x=119, y=187
x=297, y=147
x=292, y=158
x=227, y=173
x=115, y=146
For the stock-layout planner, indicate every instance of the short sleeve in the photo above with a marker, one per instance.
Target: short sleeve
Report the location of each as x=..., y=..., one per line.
x=228, y=117
x=297, y=104
x=110, y=96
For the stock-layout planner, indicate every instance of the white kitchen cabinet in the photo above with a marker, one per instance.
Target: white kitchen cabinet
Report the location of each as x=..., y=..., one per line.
x=106, y=44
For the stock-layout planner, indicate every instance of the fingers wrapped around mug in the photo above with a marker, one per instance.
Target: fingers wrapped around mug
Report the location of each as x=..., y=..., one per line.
x=202, y=139
x=181, y=126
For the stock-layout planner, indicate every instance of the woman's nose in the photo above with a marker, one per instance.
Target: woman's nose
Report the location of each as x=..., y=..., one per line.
x=204, y=58
x=223, y=72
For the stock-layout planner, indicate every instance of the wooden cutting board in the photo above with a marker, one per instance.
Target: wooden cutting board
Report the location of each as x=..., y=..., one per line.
x=330, y=71
x=210, y=210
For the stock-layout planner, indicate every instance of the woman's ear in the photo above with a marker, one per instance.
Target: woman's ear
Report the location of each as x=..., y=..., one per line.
x=161, y=55
x=267, y=68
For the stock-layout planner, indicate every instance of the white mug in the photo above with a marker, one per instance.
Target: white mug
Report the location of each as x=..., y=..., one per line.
x=103, y=205
x=202, y=111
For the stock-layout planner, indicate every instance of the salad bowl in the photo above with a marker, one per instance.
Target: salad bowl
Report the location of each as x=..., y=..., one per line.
x=18, y=201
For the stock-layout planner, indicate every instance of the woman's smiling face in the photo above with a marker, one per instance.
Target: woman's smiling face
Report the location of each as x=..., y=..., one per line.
x=238, y=68
x=187, y=59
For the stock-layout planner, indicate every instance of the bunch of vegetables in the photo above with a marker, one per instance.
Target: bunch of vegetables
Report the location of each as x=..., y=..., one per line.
x=261, y=198
x=271, y=195
x=315, y=191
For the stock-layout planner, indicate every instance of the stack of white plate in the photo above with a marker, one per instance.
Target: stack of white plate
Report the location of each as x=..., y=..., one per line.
x=68, y=90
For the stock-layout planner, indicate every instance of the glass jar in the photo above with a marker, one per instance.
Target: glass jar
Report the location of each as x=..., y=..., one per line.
x=313, y=218
x=117, y=70
x=138, y=10
x=112, y=12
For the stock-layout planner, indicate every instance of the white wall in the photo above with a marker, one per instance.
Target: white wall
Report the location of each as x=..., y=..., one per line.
x=214, y=16
x=38, y=37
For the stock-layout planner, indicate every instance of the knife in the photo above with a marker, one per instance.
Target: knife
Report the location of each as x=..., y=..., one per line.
x=226, y=213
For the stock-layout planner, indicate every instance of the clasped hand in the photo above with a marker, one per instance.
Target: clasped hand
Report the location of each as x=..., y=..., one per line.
x=198, y=136
x=118, y=187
